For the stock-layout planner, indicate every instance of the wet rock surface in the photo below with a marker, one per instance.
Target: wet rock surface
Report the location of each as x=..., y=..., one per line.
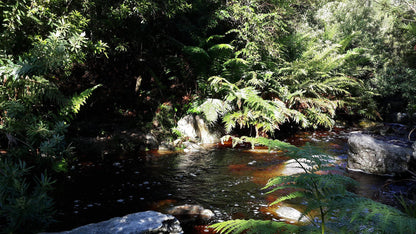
x=195, y=128
x=195, y=214
x=291, y=214
x=293, y=167
x=142, y=222
x=376, y=156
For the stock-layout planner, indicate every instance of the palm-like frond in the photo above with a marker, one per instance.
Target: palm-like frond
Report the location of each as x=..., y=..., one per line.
x=253, y=226
x=250, y=108
x=382, y=218
x=213, y=109
x=74, y=104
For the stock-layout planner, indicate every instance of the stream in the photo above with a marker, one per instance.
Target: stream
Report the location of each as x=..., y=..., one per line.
x=226, y=180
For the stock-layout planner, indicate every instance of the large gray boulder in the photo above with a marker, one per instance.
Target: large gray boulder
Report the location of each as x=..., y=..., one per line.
x=142, y=222
x=196, y=128
x=376, y=156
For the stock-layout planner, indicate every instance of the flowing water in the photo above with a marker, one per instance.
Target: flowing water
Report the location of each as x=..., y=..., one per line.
x=226, y=180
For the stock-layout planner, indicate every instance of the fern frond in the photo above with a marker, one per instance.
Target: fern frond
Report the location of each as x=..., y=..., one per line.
x=41, y=87
x=253, y=226
x=213, y=109
x=382, y=217
x=75, y=103
x=319, y=118
x=288, y=197
x=214, y=37
x=196, y=52
x=198, y=57
x=221, y=51
x=232, y=119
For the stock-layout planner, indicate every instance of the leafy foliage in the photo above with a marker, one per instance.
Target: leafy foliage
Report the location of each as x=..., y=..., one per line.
x=25, y=206
x=253, y=226
x=383, y=38
x=250, y=64
x=268, y=81
x=73, y=106
x=34, y=111
x=250, y=109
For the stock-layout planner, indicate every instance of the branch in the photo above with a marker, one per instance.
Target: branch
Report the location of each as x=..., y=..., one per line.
x=411, y=6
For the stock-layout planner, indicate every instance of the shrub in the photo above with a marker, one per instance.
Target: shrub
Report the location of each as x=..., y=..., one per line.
x=25, y=206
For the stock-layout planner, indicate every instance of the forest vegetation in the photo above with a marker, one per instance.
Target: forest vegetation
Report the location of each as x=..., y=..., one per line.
x=247, y=64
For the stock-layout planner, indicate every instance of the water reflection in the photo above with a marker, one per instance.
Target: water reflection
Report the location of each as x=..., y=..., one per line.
x=227, y=181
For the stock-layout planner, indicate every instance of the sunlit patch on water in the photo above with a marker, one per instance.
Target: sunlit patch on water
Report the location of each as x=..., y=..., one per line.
x=262, y=175
x=163, y=204
x=227, y=181
x=203, y=229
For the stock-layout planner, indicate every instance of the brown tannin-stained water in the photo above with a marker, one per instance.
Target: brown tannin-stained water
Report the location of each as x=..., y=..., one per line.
x=227, y=181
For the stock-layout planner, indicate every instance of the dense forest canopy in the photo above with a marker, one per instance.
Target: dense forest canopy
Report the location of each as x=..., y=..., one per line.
x=244, y=64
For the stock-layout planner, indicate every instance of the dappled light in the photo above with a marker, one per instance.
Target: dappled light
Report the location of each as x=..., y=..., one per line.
x=208, y=116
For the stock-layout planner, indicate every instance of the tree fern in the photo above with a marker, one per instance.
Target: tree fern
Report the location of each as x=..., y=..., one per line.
x=199, y=58
x=213, y=109
x=251, y=109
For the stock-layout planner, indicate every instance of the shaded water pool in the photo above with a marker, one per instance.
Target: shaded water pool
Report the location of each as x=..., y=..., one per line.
x=226, y=180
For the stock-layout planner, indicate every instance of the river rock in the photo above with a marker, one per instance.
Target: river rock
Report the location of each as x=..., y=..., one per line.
x=399, y=117
x=293, y=167
x=195, y=214
x=187, y=127
x=166, y=146
x=195, y=128
x=151, y=141
x=142, y=222
x=291, y=214
x=376, y=156
x=191, y=147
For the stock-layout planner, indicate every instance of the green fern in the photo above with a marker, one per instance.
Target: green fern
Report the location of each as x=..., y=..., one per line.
x=213, y=109
x=250, y=109
x=253, y=226
x=74, y=104
x=385, y=218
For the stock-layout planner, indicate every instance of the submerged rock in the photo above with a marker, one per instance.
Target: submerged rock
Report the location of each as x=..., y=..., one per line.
x=192, y=147
x=376, y=156
x=293, y=167
x=142, y=222
x=291, y=214
x=195, y=214
x=285, y=212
